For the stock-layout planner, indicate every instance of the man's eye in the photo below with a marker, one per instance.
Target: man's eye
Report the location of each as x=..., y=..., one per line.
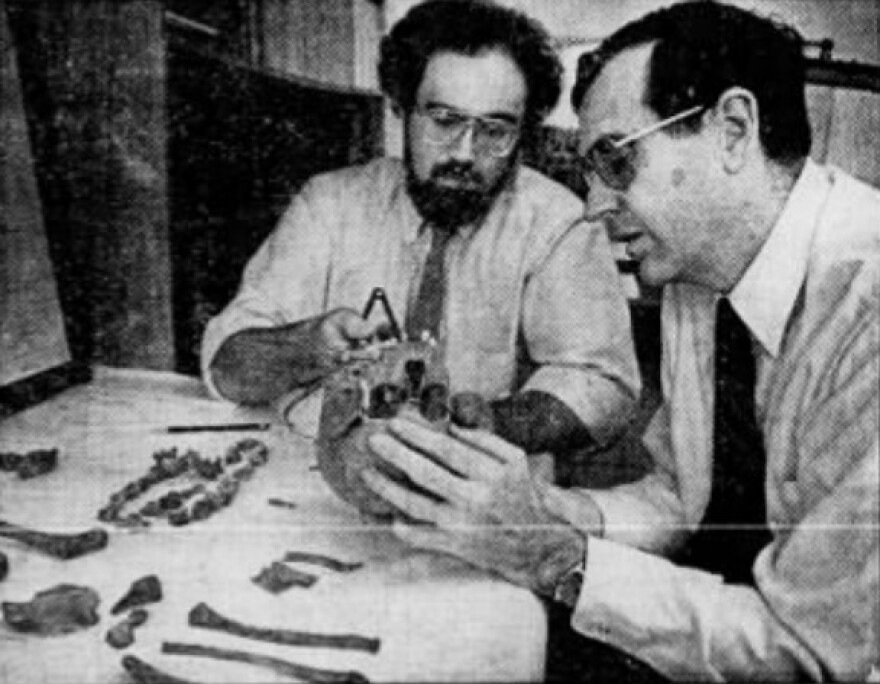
x=496, y=131
x=618, y=163
x=445, y=119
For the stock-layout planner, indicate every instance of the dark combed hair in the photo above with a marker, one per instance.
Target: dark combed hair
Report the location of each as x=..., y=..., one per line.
x=704, y=48
x=469, y=27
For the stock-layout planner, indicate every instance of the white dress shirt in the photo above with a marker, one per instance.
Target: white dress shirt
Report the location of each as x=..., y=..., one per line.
x=532, y=279
x=811, y=300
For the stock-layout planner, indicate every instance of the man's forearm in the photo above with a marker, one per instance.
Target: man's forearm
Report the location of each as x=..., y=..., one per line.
x=258, y=365
x=538, y=421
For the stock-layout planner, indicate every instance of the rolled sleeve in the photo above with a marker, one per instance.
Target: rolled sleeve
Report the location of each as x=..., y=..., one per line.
x=577, y=328
x=282, y=283
x=244, y=313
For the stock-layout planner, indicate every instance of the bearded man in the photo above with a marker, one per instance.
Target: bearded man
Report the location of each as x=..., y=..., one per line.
x=532, y=316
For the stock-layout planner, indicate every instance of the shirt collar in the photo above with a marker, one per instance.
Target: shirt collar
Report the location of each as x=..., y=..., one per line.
x=766, y=294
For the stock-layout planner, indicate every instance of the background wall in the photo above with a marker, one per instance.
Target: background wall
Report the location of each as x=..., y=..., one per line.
x=115, y=105
x=167, y=136
x=853, y=25
x=333, y=41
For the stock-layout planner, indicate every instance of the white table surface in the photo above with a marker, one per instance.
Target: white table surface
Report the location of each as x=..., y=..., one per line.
x=437, y=618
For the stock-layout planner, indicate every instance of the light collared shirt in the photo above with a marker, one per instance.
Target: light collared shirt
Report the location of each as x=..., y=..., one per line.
x=531, y=280
x=811, y=299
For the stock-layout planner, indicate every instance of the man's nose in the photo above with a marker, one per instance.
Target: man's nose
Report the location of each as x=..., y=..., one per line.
x=601, y=201
x=462, y=148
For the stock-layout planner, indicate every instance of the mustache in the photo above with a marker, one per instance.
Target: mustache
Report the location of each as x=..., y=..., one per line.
x=464, y=173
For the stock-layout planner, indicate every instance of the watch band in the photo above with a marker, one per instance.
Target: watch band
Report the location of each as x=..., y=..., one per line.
x=569, y=587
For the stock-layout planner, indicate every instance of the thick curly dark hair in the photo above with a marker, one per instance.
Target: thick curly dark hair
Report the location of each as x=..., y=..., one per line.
x=704, y=48
x=469, y=27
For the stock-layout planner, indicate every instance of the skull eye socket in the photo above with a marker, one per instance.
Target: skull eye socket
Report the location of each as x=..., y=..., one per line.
x=415, y=372
x=386, y=400
x=434, y=402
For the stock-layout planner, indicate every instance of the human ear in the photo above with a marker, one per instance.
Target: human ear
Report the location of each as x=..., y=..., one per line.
x=737, y=117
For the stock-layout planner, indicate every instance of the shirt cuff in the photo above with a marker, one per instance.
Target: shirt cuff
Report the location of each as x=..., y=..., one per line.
x=630, y=600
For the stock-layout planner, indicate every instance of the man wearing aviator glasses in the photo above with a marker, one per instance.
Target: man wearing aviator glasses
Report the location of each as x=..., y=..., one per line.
x=746, y=554
x=533, y=319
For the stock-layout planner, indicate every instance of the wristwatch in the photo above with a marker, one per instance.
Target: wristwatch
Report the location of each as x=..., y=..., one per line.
x=568, y=588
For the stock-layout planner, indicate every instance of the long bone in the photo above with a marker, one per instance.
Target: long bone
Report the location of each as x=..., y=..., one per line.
x=63, y=546
x=144, y=673
x=204, y=616
x=305, y=673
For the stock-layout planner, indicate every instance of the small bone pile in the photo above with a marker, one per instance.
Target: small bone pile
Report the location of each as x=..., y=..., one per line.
x=221, y=478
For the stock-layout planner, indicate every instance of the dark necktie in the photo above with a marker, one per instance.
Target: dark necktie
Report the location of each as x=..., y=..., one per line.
x=426, y=312
x=734, y=528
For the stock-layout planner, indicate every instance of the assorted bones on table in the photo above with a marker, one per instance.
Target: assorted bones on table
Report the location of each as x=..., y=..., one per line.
x=184, y=487
x=67, y=608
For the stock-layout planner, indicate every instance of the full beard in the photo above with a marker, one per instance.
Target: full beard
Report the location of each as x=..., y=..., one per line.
x=452, y=206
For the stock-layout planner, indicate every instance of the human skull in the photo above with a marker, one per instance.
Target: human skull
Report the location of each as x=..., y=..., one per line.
x=410, y=380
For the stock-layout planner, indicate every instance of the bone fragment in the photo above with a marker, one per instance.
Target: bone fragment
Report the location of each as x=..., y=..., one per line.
x=278, y=577
x=144, y=673
x=30, y=464
x=204, y=616
x=62, y=609
x=122, y=634
x=321, y=560
x=63, y=546
x=286, y=668
x=143, y=591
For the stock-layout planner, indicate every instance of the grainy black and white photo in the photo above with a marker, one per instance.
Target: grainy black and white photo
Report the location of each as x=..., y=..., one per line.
x=439, y=341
